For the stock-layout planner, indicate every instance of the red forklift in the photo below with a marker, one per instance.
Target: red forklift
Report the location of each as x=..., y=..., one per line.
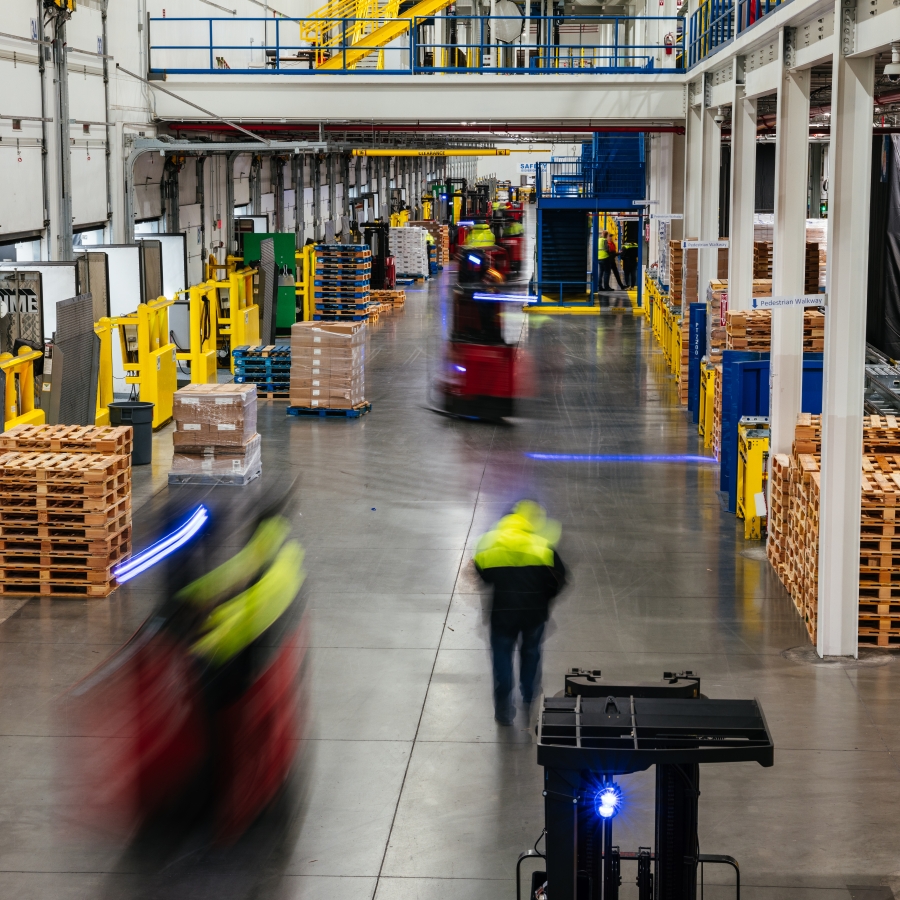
x=482, y=375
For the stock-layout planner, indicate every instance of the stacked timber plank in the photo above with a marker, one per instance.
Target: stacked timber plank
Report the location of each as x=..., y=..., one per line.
x=328, y=370
x=762, y=259
x=215, y=435
x=65, y=521
x=341, y=282
x=752, y=330
x=441, y=235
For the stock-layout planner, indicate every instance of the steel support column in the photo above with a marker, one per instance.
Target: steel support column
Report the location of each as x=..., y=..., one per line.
x=693, y=165
x=789, y=256
x=707, y=259
x=743, y=200
x=849, y=187
x=317, y=197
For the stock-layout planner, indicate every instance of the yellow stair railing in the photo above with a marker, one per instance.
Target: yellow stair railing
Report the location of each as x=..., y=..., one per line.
x=327, y=28
x=348, y=55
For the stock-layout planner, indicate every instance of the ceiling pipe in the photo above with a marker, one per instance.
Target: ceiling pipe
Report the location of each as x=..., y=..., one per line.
x=494, y=130
x=468, y=151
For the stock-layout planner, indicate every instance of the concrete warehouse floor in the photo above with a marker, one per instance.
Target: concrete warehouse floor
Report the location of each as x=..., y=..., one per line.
x=411, y=791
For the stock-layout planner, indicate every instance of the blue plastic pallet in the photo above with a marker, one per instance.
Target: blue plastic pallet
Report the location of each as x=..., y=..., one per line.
x=258, y=352
x=324, y=413
x=338, y=307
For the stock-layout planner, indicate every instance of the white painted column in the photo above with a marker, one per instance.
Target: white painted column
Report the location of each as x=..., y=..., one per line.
x=743, y=200
x=693, y=163
x=661, y=181
x=789, y=256
x=707, y=260
x=850, y=162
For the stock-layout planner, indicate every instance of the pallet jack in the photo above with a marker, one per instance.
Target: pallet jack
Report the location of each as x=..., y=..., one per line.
x=595, y=731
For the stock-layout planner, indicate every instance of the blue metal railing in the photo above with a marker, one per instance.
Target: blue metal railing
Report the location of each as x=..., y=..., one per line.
x=716, y=22
x=570, y=177
x=584, y=44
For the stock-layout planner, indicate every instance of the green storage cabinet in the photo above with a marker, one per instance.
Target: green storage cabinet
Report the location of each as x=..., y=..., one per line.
x=286, y=309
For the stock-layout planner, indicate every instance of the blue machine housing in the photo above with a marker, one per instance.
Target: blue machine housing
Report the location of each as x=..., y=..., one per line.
x=609, y=176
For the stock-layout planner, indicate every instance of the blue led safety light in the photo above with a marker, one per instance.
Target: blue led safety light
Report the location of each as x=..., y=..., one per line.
x=475, y=260
x=620, y=457
x=504, y=298
x=161, y=549
x=608, y=800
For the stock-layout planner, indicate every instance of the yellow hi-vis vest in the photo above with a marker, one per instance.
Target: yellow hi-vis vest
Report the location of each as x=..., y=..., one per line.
x=277, y=565
x=512, y=542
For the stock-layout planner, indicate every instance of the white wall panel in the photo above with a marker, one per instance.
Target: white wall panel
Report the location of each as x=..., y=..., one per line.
x=21, y=192
x=88, y=183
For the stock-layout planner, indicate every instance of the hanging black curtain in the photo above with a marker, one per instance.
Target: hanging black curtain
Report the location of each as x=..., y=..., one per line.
x=725, y=191
x=765, y=178
x=883, y=303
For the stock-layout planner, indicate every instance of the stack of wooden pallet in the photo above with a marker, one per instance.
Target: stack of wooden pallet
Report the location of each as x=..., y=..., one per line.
x=811, y=272
x=341, y=282
x=676, y=261
x=65, y=520
x=684, y=362
x=717, y=414
x=879, y=570
x=752, y=330
x=793, y=542
x=762, y=259
x=722, y=264
x=690, y=288
x=393, y=299
x=716, y=303
x=779, y=509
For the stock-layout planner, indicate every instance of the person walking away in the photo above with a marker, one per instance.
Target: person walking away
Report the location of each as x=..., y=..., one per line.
x=629, y=262
x=518, y=559
x=606, y=253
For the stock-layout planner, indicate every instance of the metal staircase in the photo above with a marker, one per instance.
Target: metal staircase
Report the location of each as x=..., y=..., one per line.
x=346, y=32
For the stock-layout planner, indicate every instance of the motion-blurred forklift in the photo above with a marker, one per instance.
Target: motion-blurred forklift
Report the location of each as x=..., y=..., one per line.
x=376, y=235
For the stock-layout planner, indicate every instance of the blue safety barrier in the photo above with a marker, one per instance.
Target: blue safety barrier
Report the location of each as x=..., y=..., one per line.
x=696, y=352
x=745, y=392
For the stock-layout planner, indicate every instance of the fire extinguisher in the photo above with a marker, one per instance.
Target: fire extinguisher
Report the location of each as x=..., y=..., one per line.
x=669, y=41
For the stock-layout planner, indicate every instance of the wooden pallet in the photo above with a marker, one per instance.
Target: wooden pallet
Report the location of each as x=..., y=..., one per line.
x=64, y=517
x=77, y=468
x=111, y=544
x=75, y=532
x=78, y=590
x=68, y=438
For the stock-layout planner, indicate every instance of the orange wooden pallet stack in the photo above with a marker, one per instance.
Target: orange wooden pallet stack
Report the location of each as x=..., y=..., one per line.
x=64, y=523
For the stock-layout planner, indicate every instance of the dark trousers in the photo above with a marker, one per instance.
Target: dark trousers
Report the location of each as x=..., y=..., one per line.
x=608, y=267
x=503, y=645
x=629, y=270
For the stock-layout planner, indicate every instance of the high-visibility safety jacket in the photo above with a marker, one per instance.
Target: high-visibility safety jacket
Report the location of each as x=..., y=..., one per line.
x=480, y=236
x=518, y=558
x=605, y=249
x=249, y=592
x=514, y=229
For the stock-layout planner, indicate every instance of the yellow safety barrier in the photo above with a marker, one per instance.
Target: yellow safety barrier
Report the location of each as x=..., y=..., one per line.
x=148, y=355
x=707, y=403
x=18, y=398
x=753, y=456
x=306, y=266
x=238, y=321
x=203, y=319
